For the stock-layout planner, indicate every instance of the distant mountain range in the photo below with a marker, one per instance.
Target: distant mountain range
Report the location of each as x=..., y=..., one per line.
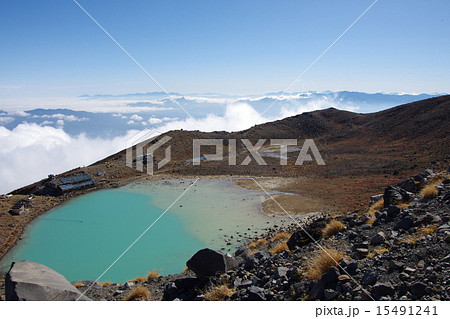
x=113, y=115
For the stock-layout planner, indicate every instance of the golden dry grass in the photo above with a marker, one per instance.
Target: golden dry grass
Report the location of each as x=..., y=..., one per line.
x=419, y=234
x=138, y=292
x=333, y=227
x=105, y=284
x=371, y=220
x=281, y=235
x=403, y=206
x=376, y=207
x=152, y=274
x=217, y=293
x=377, y=251
x=279, y=248
x=429, y=191
x=138, y=279
x=79, y=284
x=257, y=243
x=424, y=231
x=322, y=261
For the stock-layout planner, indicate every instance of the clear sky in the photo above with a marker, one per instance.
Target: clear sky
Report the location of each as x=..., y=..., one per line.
x=51, y=48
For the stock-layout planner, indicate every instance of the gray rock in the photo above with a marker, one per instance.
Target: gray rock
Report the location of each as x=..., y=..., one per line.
x=405, y=223
x=331, y=276
x=394, y=195
x=446, y=259
x=127, y=285
x=408, y=185
x=419, y=289
x=280, y=272
x=170, y=292
x=329, y=294
x=395, y=265
x=208, y=262
x=369, y=278
x=317, y=291
x=351, y=267
x=383, y=289
x=378, y=239
x=393, y=211
x=255, y=294
x=28, y=280
x=303, y=237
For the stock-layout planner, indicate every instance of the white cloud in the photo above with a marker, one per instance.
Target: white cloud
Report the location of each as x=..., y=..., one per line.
x=30, y=152
x=314, y=105
x=68, y=118
x=238, y=116
x=5, y=120
x=136, y=117
x=154, y=120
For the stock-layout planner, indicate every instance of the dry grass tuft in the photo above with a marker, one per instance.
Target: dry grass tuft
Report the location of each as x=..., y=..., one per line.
x=138, y=279
x=371, y=220
x=377, y=251
x=376, y=207
x=79, y=285
x=152, y=274
x=105, y=284
x=138, y=292
x=424, y=231
x=324, y=260
x=281, y=235
x=333, y=227
x=217, y=293
x=419, y=234
x=403, y=206
x=429, y=191
x=257, y=243
x=279, y=248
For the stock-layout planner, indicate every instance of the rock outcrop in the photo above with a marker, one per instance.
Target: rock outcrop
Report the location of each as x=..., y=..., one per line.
x=208, y=262
x=30, y=281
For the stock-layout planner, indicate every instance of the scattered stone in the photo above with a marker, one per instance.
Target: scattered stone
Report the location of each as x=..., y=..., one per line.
x=383, y=289
x=395, y=265
x=331, y=276
x=370, y=278
x=378, y=239
x=329, y=294
x=405, y=223
x=419, y=289
x=255, y=294
x=208, y=262
x=280, y=272
x=30, y=281
x=393, y=211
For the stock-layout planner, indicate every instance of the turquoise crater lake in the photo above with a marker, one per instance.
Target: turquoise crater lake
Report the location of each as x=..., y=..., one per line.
x=84, y=236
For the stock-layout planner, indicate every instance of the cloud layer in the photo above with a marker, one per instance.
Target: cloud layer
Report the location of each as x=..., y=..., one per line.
x=30, y=152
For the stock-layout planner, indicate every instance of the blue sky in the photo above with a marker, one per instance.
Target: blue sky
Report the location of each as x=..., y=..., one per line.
x=51, y=48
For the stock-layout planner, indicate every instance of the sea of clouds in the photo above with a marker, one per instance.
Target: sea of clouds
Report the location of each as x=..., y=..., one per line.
x=55, y=136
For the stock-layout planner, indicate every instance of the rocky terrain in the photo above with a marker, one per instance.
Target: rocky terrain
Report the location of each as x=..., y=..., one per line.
x=397, y=249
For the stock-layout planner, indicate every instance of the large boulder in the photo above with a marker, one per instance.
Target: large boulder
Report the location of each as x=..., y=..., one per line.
x=28, y=280
x=394, y=195
x=303, y=237
x=408, y=185
x=208, y=262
